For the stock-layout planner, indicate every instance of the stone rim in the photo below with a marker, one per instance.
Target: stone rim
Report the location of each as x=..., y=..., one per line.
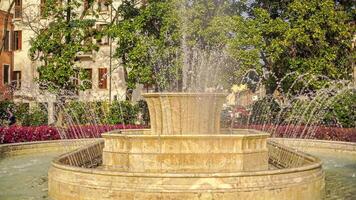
x=177, y=94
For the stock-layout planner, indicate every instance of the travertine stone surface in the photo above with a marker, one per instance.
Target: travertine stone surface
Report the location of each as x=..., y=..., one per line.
x=318, y=145
x=185, y=113
x=297, y=183
x=43, y=146
x=186, y=153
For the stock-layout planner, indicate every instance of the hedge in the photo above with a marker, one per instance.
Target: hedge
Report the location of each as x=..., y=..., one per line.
x=15, y=134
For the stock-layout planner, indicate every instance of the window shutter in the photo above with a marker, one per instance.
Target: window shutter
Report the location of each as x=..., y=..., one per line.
x=13, y=41
x=102, y=78
x=19, y=40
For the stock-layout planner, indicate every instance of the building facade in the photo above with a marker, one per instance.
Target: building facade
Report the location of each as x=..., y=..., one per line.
x=7, y=74
x=105, y=73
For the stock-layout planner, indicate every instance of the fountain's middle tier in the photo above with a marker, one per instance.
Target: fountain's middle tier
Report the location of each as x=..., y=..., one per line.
x=130, y=152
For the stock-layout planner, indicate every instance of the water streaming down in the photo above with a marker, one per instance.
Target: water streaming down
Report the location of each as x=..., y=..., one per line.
x=305, y=109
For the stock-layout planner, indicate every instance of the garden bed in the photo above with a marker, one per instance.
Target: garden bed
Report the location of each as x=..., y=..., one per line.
x=15, y=134
x=306, y=132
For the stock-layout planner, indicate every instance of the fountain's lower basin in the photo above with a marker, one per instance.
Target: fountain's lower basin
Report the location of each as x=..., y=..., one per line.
x=131, y=151
x=291, y=175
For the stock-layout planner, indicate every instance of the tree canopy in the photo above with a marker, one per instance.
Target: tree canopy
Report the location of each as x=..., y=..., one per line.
x=148, y=42
x=58, y=44
x=295, y=46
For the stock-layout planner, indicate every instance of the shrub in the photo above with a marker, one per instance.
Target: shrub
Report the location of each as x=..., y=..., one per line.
x=122, y=112
x=306, y=132
x=342, y=111
x=37, y=116
x=22, y=112
x=264, y=111
x=4, y=106
x=16, y=134
x=75, y=112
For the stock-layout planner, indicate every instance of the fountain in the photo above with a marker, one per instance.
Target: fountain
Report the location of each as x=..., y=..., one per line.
x=186, y=155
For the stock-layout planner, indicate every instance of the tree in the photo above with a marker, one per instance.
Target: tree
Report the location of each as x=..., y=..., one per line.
x=295, y=41
x=162, y=42
x=57, y=44
x=148, y=43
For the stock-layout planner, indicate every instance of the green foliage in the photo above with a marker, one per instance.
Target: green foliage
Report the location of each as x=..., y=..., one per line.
x=36, y=116
x=201, y=17
x=25, y=116
x=22, y=112
x=148, y=43
x=342, y=111
x=4, y=107
x=122, y=112
x=265, y=111
x=310, y=38
x=118, y=112
x=77, y=112
x=304, y=111
x=57, y=46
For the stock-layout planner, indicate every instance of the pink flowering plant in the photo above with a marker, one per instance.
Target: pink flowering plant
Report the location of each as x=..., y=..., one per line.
x=15, y=134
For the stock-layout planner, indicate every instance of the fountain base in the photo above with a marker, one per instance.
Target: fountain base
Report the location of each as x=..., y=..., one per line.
x=291, y=175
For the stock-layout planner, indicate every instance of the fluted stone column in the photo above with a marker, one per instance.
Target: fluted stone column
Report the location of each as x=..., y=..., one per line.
x=185, y=113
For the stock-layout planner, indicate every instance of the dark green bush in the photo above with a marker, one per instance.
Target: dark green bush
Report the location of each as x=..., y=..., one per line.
x=122, y=112
x=342, y=111
x=25, y=116
x=22, y=111
x=75, y=112
x=4, y=106
x=36, y=116
x=79, y=112
x=265, y=111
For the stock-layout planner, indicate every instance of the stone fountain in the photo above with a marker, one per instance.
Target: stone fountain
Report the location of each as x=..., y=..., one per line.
x=186, y=155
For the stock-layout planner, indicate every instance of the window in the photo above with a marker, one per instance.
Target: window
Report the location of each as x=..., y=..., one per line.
x=105, y=39
x=87, y=82
x=103, y=5
x=18, y=8
x=102, y=78
x=6, y=41
x=16, y=77
x=6, y=74
x=17, y=40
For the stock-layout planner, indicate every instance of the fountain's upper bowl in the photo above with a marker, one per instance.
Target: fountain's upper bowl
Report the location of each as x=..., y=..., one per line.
x=185, y=113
